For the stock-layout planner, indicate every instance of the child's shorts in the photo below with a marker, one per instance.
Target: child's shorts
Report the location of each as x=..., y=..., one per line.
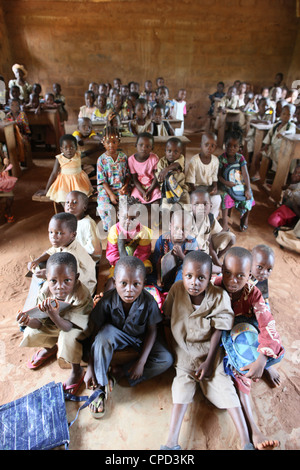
x=219, y=389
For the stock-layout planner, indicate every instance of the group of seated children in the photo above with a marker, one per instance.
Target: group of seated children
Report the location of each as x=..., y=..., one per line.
x=147, y=110
x=199, y=310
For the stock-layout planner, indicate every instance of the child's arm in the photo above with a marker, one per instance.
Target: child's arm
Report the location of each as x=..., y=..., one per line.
x=32, y=265
x=139, y=187
x=151, y=187
x=24, y=320
x=136, y=371
x=52, y=177
x=230, y=184
x=245, y=175
x=113, y=198
x=214, y=188
x=175, y=166
x=123, y=190
x=206, y=368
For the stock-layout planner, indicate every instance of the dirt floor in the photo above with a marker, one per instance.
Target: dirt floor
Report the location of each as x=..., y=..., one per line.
x=138, y=418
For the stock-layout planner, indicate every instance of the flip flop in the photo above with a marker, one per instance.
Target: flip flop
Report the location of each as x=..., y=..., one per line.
x=243, y=227
x=36, y=362
x=97, y=402
x=72, y=389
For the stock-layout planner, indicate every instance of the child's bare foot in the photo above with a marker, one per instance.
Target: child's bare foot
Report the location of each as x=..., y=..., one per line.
x=262, y=443
x=272, y=376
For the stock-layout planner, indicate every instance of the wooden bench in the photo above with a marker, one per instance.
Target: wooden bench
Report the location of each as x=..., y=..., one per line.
x=7, y=136
x=260, y=133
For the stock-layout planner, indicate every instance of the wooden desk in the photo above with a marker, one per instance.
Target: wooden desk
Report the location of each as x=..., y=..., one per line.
x=260, y=132
x=7, y=136
x=47, y=117
x=128, y=146
x=231, y=115
x=289, y=151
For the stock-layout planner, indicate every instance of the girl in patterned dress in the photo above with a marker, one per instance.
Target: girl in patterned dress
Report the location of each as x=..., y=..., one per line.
x=113, y=177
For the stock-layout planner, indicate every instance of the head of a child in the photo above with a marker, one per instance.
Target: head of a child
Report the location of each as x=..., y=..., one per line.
x=76, y=204
x=133, y=97
x=276, y=93
x=117, y=101
x=158, y=113
x=14, y=105
x=49, y=99
x=102, y=89
x=134, y=87
x=34, y=100
x=101, y=101
x=148, y=86
x=287, y=113
x=160, y=81
x=117, y=83
x=111, y=140
x=162, y=94
x=236, y=269
x=36, y=88
x=14, y=92
x=181, y=226
x=141, y=108
x=220, y=87
x=124, y=91
x=201, y=204
x=144, y=145
x=85, y=126
x=208, y=144
x=89, y=98
x=68, y=145
x=173, y=149
x=129, y=275
x=263, y=105
x=56, y=88
x=242, y=88
x=231, y=92
x=181, y=94
x=61, y=273
x=263, y=259
x=265, y=92
x=94, y=86
x=278, y=79
x=232, y=143
x=129, y=213
x=196, y=274
x=62, y=229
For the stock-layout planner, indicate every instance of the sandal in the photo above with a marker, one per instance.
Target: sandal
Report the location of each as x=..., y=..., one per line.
x=9, y=218
x=96, y=403
x=73, y=389
x=243, y=227
x=111, y=382
x=37, y=361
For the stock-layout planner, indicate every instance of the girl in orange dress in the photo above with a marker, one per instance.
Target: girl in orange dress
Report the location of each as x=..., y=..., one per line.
x=67, y=174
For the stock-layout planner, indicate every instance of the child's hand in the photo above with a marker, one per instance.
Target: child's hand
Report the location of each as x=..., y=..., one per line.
x=162, y=175
x=113, y=198
x=22, y=318
x=123, y=190
x=145, y=195
x=177, y=251
x=248, y=194
x=256, y=368
x=136, y=371
x=204, y=371
x=51, y=310
x=31, y=266
x=213, y=191
x=40, y=273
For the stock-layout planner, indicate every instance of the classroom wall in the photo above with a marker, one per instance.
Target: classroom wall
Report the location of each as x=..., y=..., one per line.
x=192, y=44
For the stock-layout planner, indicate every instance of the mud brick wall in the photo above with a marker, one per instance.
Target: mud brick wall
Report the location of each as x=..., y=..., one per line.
x=192, y=44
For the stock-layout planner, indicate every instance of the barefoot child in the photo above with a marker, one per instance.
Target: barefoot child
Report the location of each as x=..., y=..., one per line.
x=113, y=177
x=236, y=186
x=87, y=231
x=125, y=316
x=203, y=171
x=198, y=312
x=62, y=236
x=60, y=331
x=249, y=307
x=211, y=237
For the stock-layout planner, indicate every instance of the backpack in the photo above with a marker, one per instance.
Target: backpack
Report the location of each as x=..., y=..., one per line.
x=233, y=173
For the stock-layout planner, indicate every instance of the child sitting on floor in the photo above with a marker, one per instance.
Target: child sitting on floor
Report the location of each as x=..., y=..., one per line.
x=113, y=177
x=67, y=174
x=249, y=307
x=125, y=316
x=142, y=121
x=87, y=231
x=177, y=242
x=234, y=178
x=143, y=165
x=172, y=165
x=203, y=171
x=62, y=236
x=89, y=108
x=59, y=332
x=199, y=312
x=210, y=236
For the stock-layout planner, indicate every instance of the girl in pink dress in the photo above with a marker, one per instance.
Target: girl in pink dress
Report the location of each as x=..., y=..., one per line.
x=142, y=167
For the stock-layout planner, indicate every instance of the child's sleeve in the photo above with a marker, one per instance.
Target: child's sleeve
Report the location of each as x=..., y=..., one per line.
x=131, y=165
x=222, y=315
x=100, y=172
x=190, y=175
x=268, y=337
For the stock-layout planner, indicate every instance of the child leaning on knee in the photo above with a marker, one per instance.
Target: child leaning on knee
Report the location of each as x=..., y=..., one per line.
x=87, y=231
x=59, y=332
x=62, y=231
x=199, y=312
x=125, y=316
